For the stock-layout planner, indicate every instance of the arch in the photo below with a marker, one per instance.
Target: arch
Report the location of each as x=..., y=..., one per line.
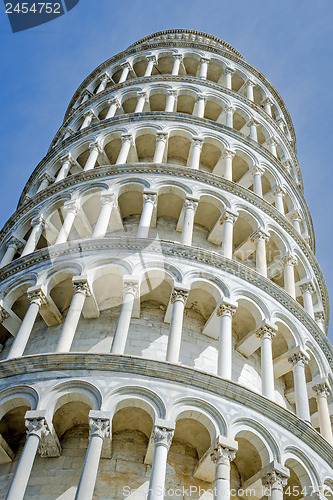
x=137, y=396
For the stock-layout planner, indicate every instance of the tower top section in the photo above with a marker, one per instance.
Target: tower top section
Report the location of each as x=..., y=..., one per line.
x=186, y=35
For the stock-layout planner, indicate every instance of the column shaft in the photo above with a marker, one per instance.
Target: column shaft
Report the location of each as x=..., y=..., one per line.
x=66, y=227
x=196, y=152
x=71, y=321
x=176, y=325
x=121, y=333
x=9, y=255
x=224, y=362
x=267, y=373
x=92, y=158
x=187, y=232
x=103, y=219
x=125, y=148
x=114, y=105
x=88, y=477
x=146, y=216
x=301, y=394
x=63, y=172
x=34, y=237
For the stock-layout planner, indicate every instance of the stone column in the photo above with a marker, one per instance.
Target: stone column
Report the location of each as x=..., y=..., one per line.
x=224, y=363
x=267, y=103
x=149, y=200
x=151, y=62
x=142, y=99
x=274, y=481
x=38, y=224
x=99, y=430
x=108, y=202
x=13, y=245
x=289, y=262
x=228, y=156
x=295, y=218
x=228, y=220
x=162, y=440
x=189, y=212
x=322, y=392
x=178, y=299
x=36, y=428
x=299, y=360
x=67, y=163
x=177, y=59
x=131, y=292
x=200, y=108
x=228, y=77
x=126, y=143
x=114, y=105
x=272, y=143
x=257, y=172
x=196, y=152
x=87, y=119
x=307, y=291
x=229, y=117
x=47, y=179
x=71, y=209
x=253, y=124
x=320, y=319
x=126, y=67
x=81, y=291
x=287, y=166
x=222, y=457
x=260, y=237
x=161, y=140
x=281, y=124
x=279, y=193
x=86, y=95
x=103, y=83
x=204, y=61
x=170, y=101
x=249, y=85
x=95, y=149
x=266, y=334
x=37, y=298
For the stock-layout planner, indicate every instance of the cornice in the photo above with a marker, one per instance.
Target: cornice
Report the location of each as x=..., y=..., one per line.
x=172, y=249
x=228, y=55
x=180, y=172
x=175, y=118
x=66, y=365
x=190, y=80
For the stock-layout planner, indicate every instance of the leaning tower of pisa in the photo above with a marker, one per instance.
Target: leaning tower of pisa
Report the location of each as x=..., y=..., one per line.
x=163, y=315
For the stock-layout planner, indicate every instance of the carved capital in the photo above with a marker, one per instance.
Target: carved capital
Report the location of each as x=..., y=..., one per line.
x=39, y=220
x=307, y=288
x=226, y=309
x=229, y=71
x=322, y=389
x=127, y=65
x=290, y=260
x=81, y=285
x=228, y=153
x=179, y=294
x=108, y=199
x=222, y=455
x=127, y=138
x=273, y=141
x=105, y=78
x=204, y=60
x=298, y=358
x=67, y=157
x=228, y=216
x=172, y=92
x=99, y=427
x=257, y=170
x=36, y=427
x=95, y=146
x=266, y=331
x=250, y=83
x=149, y=197
x=253, y=122
x=142, y=93
x=3, y=314
x=114, y=101
x=152, y=58
x=202, y=97
x=319, y=316
x=161, y=136
x=260, y=234
x=132, y=287
x=71, y=206
x=14, y=242
x=188, y=203
x=37, y=295
x=162, y=436
x=274, y=480
x=178, y=56
x=197, y=142
x=267, y=101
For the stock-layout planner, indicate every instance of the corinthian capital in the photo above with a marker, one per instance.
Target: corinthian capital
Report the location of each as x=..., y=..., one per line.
x=179, y=294
x=162, y=436
x=274, y=480
x=36, y=427
x=80, y=285
x=99, y=427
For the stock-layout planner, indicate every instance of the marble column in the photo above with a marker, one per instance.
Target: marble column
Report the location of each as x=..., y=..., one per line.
x=322, y=392
x=36, y=298
x=86, y=94
x=151, y=62
x=188, y=223
x=161, y=140
x=142, y=99
x=295, y=219
x=149, y=201
x=114, y=104
x=229, y=117
x=178, y=300
x=299, y=360
x=267, y=103
x=177, y=59
x=257, y=172
x=171, y=100
x=126, y=143
x=253, y=125
x=222, y=458
x=228, y=156
x=131, y=292
x=281, y=124
x=88, y=117
x=224, y=363
x=204, y=61
x=274, y=482
x=81, y=291
x=279, y=193
x=99, y=430
x=289, y=262
x=108, y=202
x=249, y=85
x=307, y=292
x=38, y=224
x=228, y=220
x=197, y=144
x=200, y=107
x=228, y=77
x=13, y=245
x=36, y=429
x=95, y=150
x=104, y=79
x=47, y=179
x=266, y=333
x=272, y=143
x=260, y=237
x=162, y=440
x=126, y=68
x=320, y=320
x=67, y=163
x=71, y=209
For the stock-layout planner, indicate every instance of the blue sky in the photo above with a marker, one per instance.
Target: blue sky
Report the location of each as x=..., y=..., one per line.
x=290, y=41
